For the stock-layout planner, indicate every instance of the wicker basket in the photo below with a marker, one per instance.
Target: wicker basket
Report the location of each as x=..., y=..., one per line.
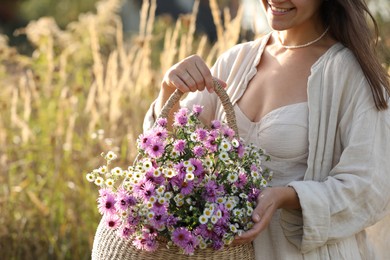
x=108, y=245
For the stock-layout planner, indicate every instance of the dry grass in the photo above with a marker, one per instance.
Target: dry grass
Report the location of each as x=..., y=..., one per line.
x=85, y=90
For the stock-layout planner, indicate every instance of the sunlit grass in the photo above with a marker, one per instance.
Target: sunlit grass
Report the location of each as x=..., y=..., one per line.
x=85, y=90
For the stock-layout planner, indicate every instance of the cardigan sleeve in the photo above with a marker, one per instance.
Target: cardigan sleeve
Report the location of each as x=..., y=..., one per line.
x=355, y=194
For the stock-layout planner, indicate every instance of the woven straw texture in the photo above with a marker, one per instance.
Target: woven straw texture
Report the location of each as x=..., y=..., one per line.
x=108, y=245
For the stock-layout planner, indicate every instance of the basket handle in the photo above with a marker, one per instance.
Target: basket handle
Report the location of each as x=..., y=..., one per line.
x=223, y=97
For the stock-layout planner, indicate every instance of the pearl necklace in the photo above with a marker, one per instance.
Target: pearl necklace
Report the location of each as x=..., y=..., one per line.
x=306, y=44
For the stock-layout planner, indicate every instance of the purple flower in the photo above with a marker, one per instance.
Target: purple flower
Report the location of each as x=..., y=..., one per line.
x=253, y=194
x=152, y=178
x=201, y=134
x=187, y=187
x=126, y=231
x=211, y=191
x=211, y=144
x=228, y=132
x=242, y=180
x=181, y=236
x=160, y=132
x=215, y=124
x=106, y=204
x=191, y=244
x=146, y=242
x=144, y=141
x=217, y=244
x=199, y=151
x=124, y=200
x=181, y=118
x=112, y=221
x=198, y=166
x=197, y=109
x=144, y=189
x=155, y=148
x=179, y=145
x=162, y=122
x=159, y=218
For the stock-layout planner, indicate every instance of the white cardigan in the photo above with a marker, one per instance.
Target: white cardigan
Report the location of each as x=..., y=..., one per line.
x=346, y=187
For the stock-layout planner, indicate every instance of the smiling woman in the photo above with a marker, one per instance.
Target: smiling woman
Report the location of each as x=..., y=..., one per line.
x=314, y=95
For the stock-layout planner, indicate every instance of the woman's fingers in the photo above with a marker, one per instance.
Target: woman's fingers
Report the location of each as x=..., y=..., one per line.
x=191, y=74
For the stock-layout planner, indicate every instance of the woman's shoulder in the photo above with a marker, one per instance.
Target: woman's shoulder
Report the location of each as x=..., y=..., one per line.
x=245, y=48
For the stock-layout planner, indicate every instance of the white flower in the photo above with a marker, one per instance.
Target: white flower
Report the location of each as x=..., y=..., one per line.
x=90, y=177
x=103, y=169
x=193, y=137
x=235, y=143
x=110, y=156
x=203, y=219
x=190, y=168
x=208, y=162
x=150, y=214
x=264, y=182
x=110, y=182
x=221, y=200
x=255, y=174
x=232, y=177
x=225, y=145
x=162, y=200
x=214, y=220
x=208, y=213
x=249, y=211
x=99, y=181
x=189, y=176
x=117, y=171
x=224, y=156
x=160, y=190
x=243, y=196
x=147, y=165
x=233, y=228
x=168, y=195
x=157, y=172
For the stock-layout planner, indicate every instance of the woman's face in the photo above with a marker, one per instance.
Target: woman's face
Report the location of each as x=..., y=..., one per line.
x=292, y=14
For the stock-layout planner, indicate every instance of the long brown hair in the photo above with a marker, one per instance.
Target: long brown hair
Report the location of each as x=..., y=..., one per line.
x=348, y=24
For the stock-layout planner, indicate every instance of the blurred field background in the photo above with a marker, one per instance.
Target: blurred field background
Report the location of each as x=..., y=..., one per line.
x=80, y=85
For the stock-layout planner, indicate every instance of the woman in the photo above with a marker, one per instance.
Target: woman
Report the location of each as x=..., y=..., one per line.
x=315, y=97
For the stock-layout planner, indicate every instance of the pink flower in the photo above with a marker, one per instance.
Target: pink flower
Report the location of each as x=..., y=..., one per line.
x=106, y=204
x=112, y=221
x=201, y=134
x=155, y=148
x=197, y=109
x=144, y=189
x=126, y=231
x=215, y=124
x=179, y=145
x=199, y=151
x=181, y=236
x=181, y=118
x=162, y=122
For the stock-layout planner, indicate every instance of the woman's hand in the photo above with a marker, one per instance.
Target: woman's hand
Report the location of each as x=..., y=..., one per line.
x=268, y=202
x=191, y=74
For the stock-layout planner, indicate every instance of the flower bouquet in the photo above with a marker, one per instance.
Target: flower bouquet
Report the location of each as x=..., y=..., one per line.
x=190, y=188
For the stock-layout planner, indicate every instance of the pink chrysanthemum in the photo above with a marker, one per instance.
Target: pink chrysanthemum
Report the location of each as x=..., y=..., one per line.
x=106, y=204
x=112, y=221
x=144, y=189
x=155, y=148
x=179, y=145
x=197, y=109
x=215, y=124
x=162, y=122
x=181, y=236
x=199, y=151
x=201, y=134
x=181, y=117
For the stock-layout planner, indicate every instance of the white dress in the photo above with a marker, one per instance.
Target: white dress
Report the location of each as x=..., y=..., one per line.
x=344, y=186
x=283, y=134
